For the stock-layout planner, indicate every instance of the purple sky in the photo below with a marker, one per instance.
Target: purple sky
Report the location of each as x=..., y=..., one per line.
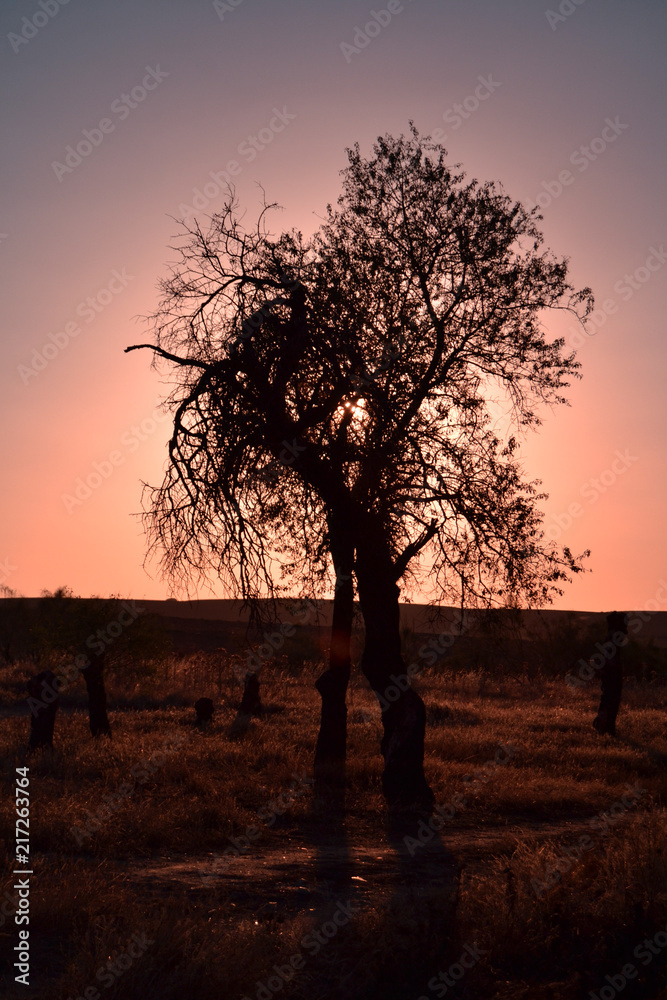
x=561, y=104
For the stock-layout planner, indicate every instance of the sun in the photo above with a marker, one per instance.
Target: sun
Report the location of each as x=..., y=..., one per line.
x=355, y=407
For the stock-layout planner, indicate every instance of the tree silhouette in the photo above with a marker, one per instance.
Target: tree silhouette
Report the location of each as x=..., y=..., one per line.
x=83, y=637
x=233, y=501
x=341, y=396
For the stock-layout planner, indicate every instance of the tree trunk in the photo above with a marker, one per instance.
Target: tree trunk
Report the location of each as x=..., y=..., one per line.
x=330, y=751
x=43, y=700
x=251, y=702
x=611, y=675
x=403, y=713
x=97, y=697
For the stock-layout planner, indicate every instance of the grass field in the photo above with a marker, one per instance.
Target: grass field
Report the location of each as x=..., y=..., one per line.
x=170, y=862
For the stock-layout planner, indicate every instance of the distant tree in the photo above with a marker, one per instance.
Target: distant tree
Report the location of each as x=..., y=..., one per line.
x=14, y=624
x=340, y=397
x=93, y=633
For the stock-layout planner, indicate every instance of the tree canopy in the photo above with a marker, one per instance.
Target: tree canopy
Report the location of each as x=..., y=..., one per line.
x=359, y=369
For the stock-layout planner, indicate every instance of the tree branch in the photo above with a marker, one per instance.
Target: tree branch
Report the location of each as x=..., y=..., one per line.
x=188, y=362
x=401, y=564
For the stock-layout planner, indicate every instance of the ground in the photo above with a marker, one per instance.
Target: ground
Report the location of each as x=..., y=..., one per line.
x=174, y=862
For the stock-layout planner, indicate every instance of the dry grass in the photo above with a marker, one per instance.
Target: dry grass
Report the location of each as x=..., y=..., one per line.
x=207, y=942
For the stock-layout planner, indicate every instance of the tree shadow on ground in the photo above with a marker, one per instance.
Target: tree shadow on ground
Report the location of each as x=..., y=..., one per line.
x=402, y=892
x=656, y=756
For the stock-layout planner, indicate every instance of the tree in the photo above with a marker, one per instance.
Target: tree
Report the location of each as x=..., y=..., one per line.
x=85, y=636
x=341, y=396
x=14, y=624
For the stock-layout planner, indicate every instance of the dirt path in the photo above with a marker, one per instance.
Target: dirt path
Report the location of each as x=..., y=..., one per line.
x=300, y=875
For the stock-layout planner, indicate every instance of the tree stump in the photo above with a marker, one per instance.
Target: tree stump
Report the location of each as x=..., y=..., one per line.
x=93, y=675
x=251, y=703
x=611, y=675
x=204, y=709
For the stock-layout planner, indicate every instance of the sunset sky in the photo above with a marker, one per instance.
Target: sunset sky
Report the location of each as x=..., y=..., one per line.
x=561, y=104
